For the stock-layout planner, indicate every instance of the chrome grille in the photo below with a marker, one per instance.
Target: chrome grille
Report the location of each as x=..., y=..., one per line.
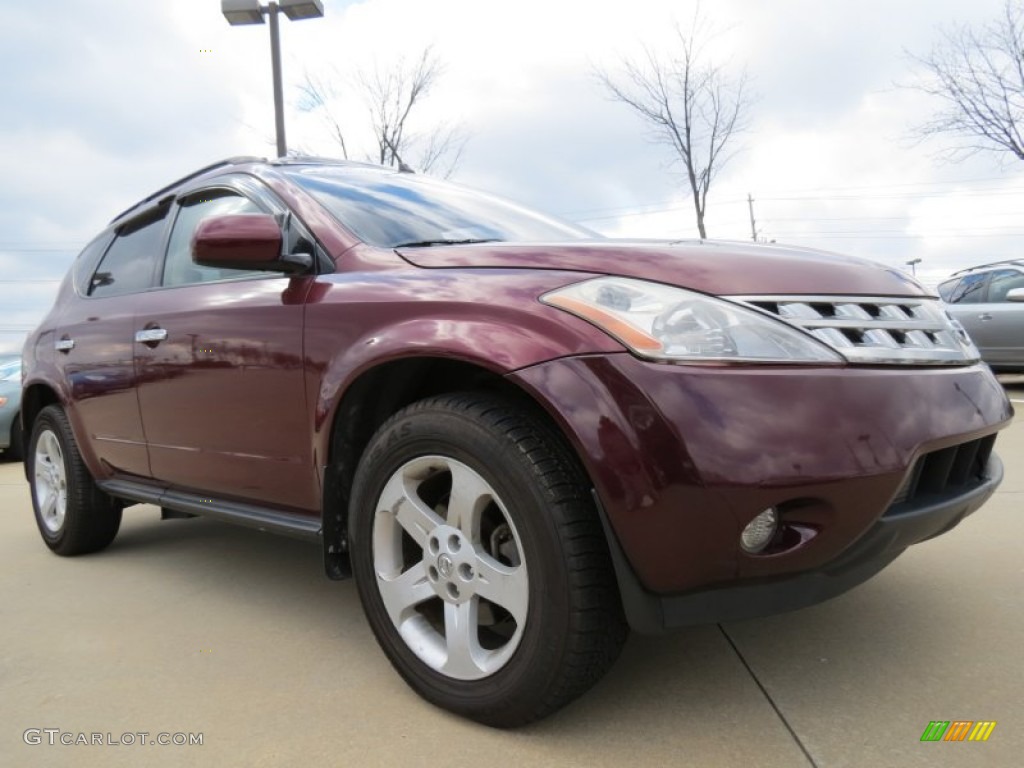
x=876, y=331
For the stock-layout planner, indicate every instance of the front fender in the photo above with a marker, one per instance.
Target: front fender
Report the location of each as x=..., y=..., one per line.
x=489, y=318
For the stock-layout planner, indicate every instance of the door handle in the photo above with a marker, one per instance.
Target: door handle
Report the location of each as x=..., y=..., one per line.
x=151, y=336
x=64, y=345
x=984, y=316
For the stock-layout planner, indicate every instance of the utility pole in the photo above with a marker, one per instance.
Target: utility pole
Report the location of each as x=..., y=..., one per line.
x=753, y=224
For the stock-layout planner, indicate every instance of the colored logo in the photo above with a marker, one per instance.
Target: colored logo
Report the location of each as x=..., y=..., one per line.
x=958, y=730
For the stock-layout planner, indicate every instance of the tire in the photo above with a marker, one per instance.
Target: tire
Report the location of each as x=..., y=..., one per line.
x=73, y=515
x=16, y=449
x=501, y=607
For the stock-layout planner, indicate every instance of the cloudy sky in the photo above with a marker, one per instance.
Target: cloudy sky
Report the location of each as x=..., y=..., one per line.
x=104, y=102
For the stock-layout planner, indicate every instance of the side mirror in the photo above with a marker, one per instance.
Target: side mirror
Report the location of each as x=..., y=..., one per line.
x=244, y=241
x=1015, y=294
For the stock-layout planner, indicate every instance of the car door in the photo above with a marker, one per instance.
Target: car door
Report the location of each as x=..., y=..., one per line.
x=95, y=340
x=221, y=372
x=1000, y=323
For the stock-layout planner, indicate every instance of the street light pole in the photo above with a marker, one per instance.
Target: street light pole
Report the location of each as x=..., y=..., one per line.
x=275, y=63
x=913, y=266
x=241, y=12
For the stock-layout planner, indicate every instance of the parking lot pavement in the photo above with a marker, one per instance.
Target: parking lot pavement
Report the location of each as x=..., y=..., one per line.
x=194, y=626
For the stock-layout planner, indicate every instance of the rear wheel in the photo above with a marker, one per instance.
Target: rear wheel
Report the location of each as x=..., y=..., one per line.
x=73, y=515
x=480, y=560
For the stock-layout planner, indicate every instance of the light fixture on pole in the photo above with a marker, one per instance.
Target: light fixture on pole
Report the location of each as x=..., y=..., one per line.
x=242, y=12
x=913, y=266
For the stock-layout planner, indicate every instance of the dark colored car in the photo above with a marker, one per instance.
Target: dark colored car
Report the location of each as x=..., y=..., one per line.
x=988, y=300
x=521, y=439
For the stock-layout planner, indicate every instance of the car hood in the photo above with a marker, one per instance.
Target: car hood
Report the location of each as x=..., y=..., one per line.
x=722, y=268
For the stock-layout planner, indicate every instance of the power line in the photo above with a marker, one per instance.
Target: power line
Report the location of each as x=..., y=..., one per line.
x=70, y=251
x=668, y=206
x=858, y=236
x=905, y=217
x=998, y=231
x=811, y=190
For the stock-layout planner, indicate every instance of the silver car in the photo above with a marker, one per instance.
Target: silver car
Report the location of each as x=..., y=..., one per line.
x=10, y=405
x=988, y=300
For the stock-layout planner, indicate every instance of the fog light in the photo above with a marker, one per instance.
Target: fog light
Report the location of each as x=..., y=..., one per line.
x=760, y=531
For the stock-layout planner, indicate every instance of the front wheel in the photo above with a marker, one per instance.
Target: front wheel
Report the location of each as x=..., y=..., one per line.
x=73, y=515
x=480, y=561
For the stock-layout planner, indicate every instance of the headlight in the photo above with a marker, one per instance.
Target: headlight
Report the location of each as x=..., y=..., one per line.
x=665, y=323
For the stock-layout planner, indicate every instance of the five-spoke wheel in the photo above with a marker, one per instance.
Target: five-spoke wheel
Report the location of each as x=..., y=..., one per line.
x=480, y=560
x=448, y=567
x=73, y=515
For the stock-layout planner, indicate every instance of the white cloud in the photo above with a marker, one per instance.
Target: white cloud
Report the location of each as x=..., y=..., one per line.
x=103, y=108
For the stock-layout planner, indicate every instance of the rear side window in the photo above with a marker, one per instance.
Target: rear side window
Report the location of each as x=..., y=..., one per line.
x=971, y=290
x=1004, y=281
x=127, y=266
x=85, y=264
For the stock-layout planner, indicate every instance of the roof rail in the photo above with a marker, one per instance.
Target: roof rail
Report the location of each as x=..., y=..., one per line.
x=220, y=164
x=1018, y=262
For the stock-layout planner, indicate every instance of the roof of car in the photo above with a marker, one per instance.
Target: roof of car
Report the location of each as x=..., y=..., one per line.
x=167, y=191
x=1014, y=262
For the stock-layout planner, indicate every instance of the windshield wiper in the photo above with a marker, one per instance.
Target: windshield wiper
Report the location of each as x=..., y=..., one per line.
x=429, y=243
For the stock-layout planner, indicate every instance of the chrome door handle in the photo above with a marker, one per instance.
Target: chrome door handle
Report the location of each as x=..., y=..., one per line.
x=64, y=345
x=984, y=316
x=150, y=335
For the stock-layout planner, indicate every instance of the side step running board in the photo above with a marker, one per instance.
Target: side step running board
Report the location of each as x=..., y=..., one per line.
x=249, y=515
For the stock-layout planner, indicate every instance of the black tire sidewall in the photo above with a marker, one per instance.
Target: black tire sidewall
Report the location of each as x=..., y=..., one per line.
x=91, y=517
x=44, y=422
x=534, y=664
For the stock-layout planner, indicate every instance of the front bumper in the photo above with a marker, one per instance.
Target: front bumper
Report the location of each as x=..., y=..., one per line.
x=650, y=613
x=682, y=457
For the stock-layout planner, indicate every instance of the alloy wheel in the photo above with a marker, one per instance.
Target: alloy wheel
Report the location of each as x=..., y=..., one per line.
x=449, y=567
x=50, y=481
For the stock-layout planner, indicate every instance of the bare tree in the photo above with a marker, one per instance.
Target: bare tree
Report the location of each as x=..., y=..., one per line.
x=690, y=103
x=390, y=98
x=978, y=75
x=319, y=95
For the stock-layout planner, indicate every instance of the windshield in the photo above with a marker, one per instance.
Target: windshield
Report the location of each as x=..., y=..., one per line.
x=390, y=209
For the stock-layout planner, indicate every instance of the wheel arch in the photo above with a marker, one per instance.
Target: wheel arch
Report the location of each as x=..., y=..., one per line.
x=371, y=399
x=34, y=399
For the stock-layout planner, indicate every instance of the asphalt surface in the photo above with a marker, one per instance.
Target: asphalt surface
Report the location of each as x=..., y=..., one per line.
x=192, y=626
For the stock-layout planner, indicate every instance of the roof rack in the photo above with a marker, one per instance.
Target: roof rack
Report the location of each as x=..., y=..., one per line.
x=220, y=164
x=302, y=159
x=1018, y=262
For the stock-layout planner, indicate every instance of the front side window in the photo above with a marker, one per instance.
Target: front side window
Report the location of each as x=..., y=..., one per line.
x=1004, y=281
x=128, y=265
x=971, y=289
x=179, y=269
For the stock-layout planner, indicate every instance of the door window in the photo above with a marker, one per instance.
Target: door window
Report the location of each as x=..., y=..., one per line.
x=1003, y=281
x=179, y=269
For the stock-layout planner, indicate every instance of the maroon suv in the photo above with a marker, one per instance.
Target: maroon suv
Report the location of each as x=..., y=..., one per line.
x=520, y=438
